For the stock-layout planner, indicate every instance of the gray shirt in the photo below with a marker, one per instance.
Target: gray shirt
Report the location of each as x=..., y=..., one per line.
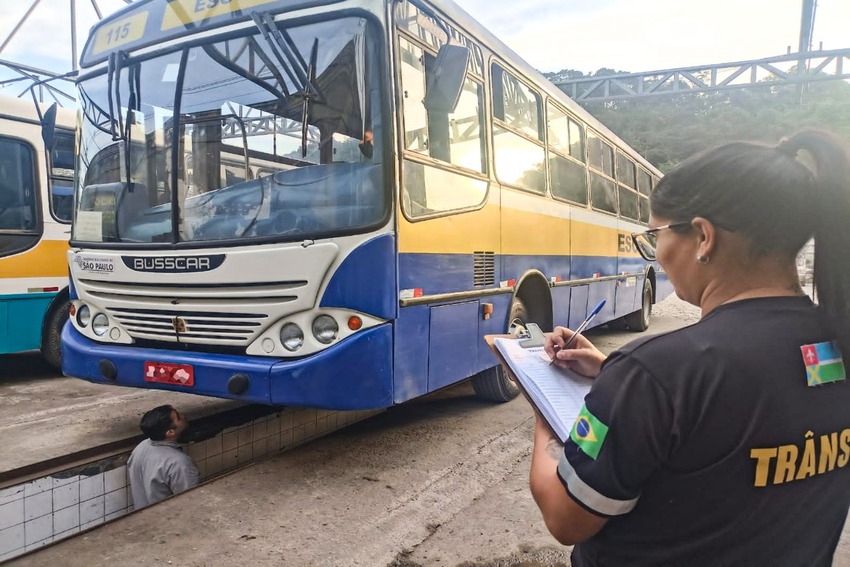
x=159, y=469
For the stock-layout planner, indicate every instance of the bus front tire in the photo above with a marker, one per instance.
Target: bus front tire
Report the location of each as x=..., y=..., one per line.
x=494, y=384
x=51, y=348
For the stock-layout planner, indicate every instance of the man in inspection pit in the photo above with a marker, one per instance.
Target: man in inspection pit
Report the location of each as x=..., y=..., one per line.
x=158, y=466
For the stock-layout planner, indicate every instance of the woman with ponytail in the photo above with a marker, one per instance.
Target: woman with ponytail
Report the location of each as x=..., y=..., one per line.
x=726, y=442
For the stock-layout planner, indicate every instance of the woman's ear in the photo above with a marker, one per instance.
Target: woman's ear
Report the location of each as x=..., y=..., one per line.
x=706, y=233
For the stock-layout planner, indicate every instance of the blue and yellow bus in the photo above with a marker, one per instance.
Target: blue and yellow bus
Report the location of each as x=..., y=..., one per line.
x=328, y=203
x=36, y=198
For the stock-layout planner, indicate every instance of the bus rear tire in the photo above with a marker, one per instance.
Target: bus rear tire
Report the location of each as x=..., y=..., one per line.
x=639, y=320
x=51, y=347
x=494, y=384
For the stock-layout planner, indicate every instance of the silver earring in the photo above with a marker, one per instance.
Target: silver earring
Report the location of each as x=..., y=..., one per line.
x=702, y=259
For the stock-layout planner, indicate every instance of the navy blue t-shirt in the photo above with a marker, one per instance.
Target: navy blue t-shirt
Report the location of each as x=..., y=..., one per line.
x=722, y=443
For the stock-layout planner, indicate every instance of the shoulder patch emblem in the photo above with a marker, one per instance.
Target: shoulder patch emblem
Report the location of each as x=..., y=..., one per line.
x=823, y=363
x=588, y=433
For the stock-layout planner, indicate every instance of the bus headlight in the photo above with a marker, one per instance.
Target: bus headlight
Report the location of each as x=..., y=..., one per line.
x=83, y=316
x=100, y=324
x=291, y=337
x=325, y=329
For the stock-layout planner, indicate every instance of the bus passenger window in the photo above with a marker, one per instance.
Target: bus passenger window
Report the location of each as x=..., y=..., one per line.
x=603, y=193
x=625, y=171
x=644, y=210
x=450, y=137
x=17, y=187
x=517, y=138
x=628, y=203
x=62, y=177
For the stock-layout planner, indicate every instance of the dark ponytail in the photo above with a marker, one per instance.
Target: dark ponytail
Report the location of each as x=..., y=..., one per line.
x=778, y=197
x=830, y=164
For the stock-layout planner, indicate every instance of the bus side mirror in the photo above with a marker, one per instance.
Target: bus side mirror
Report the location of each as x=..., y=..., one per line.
x=48, y=127
x=445, y=81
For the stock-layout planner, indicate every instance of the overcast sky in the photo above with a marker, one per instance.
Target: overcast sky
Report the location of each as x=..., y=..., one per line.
x=628, y=35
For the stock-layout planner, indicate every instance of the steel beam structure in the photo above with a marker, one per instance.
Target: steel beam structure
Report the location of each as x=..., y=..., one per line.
x=793, y=68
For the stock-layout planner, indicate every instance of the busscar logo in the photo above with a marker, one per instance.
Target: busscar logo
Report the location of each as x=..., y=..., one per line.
x=173, y=264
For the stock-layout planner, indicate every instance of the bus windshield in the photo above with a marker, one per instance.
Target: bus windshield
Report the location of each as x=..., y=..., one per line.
x=264, y=134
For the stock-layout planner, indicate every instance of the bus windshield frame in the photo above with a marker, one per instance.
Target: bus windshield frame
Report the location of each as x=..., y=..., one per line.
x=279, y=138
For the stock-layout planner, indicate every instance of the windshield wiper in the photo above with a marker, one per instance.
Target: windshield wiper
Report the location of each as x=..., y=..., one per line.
x=309, y=92
x=281, y=42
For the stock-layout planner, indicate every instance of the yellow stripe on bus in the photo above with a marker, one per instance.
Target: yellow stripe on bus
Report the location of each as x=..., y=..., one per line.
x=178, y=13
x=526, y=233
x=48, y=259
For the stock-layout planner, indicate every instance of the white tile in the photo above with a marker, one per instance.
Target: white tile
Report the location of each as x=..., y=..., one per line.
x=66, y=495
x=40, y=543
x=38, y=486
x=114, y=515
x=66, y=519
x=116, y=500
x=66, y=534
x=273, y=425
x=229, y=441
x=92, y=510
x=57, y=482
x=38, y=505
x=10, y=555
x=197, y=451
x=259, y=448
x=91, y=487
x=228, y=460
x=12, y=539
x=261, y=428
x=212, y=465
x=12, y=514
x=92, y=524
x=115, y=479
x=11, y=494
x=213, y=446
x=246, y=436
x=273, y=444
x=38, y=530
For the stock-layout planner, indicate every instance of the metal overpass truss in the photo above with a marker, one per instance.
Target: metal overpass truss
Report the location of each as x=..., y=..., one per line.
x=794, y=68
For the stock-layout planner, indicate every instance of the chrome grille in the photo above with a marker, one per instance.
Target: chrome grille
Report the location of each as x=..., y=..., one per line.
x=193, y=313
x=209, y=327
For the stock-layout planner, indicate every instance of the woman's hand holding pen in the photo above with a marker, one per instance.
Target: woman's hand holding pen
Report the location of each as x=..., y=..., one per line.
x=580, y=356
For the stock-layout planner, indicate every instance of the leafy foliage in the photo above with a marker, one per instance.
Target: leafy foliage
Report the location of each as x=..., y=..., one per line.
x=668, y=129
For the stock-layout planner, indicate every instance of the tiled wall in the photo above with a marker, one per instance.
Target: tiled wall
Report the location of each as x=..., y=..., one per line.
x=52, y=508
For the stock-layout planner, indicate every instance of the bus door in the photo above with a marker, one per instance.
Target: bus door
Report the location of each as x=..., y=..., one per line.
x=448, y=221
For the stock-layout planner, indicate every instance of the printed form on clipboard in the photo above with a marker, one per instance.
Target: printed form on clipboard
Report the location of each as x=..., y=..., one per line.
x=557, y=393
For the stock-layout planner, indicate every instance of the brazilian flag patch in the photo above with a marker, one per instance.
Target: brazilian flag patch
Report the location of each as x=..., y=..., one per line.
x=588, y=433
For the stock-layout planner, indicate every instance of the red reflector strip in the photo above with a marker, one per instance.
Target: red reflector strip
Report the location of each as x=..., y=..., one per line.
x=41, y=289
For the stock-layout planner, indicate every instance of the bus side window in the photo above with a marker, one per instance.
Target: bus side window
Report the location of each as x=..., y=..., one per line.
x=62, y=177
x=603, y=189
x=17, y=186
x=450, y=137
x=517, y=132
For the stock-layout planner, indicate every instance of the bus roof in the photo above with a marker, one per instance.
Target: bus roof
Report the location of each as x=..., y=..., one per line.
x=24, y=110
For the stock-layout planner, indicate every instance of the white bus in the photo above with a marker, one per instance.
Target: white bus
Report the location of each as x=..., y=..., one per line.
x=328, y=203
x=36, y=199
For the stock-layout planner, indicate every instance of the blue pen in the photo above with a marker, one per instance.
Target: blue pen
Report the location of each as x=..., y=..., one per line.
x=581, y=328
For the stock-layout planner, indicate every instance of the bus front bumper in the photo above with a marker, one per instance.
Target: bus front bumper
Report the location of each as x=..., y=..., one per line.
x=355, y=374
